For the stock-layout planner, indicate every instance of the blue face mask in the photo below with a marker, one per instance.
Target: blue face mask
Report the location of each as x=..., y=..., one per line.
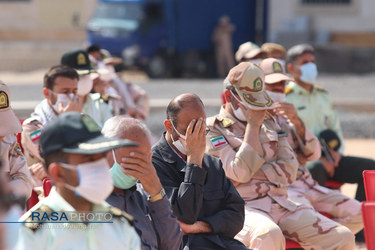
x=120, y=179
x=309, y=72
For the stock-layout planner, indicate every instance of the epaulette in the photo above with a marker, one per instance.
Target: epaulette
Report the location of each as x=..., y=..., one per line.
x=118, y=213
x=318, y=88
x=225, y=122
x=34, y=226
x=288, y=90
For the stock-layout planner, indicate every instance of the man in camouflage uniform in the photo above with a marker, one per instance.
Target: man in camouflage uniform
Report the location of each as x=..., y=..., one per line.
x=14, y=164
x=305, y=190
x=258, y=158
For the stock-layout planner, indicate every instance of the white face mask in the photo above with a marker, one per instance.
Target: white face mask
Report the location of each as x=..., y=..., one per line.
x=95, y=180
x=180, y=144
x=238, y=113
x=85, y=84
x=276, y=96
x=63, y=99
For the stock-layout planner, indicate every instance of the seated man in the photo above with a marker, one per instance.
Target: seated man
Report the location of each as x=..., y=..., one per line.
x=145, y=200
x=74, y=151
x=93, y=104
x=258, y=158
x=305, y=190
x=14, y=164
x=207, y=205
x=59, y=90
x=315, y=108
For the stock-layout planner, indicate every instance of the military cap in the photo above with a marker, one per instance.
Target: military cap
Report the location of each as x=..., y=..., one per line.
x=9, y=121
x=77, y=133
x=248, y=80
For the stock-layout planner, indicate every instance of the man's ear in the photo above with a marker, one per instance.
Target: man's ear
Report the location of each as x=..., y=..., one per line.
x=168, y=126
x=46, y=93
x=54, y=171
x=290, y=68
x=228, y=95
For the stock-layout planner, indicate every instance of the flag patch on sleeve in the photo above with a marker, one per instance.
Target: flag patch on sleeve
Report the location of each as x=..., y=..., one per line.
x=218, y=142
x=35, y=135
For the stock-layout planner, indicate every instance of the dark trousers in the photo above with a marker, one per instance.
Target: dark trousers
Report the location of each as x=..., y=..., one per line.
x=349, y=170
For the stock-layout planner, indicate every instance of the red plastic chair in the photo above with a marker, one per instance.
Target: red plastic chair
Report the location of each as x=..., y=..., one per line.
x=369, y=183
x=47, y=185
x=333, y=184
x=368, y=215
x=292, y=245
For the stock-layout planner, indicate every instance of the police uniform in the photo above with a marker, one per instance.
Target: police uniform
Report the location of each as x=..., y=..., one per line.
x=117, y=235
x=314, y=108
x=305, y=190
x=262, y=182
x=316, y=111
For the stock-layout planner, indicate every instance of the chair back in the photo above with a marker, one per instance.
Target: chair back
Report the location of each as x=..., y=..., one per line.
x=368, y=214
x=369, y=183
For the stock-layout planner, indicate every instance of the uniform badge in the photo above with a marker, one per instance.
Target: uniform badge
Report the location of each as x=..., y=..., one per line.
x=218, y=142
x=333, y=143
x=35, y=135
x=258, y=84
x=81, y=59
x=4, y=100
x=90, y=124
x=17, y=149
x=276, y=67
x=226, y=122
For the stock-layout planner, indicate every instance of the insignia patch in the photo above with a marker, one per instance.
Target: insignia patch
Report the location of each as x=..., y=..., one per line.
x=333, y=143
x=218, y=142
x=35, y=135
x=90, y=124
x=81, y=59
x=258, y=84
x=276, y=67
x=4, y=100
x=226, y=122
x=17, y=150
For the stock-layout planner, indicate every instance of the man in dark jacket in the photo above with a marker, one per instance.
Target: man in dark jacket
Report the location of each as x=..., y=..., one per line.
x=208, y=207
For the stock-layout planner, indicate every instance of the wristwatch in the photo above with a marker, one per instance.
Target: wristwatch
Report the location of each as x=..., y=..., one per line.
x=158, y=196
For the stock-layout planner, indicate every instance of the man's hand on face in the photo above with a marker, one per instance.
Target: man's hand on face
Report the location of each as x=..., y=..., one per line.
x=254, y=118
x=287, y=110
x=76, y=104
x=140, y=166
x=196, y=141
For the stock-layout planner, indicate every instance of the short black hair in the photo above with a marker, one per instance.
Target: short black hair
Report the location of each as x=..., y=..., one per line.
x=57, y=156
x=56, y=71
x=93, y=48
x=298, y=50
x=175, y=106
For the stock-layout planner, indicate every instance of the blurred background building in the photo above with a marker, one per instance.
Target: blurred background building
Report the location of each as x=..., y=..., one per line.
x=34, y=33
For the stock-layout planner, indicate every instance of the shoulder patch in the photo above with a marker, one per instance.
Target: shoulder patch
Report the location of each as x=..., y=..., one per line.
x=17, y=149
x=34, y=226
x=218, y=141
x=288, y=90
x=318, y=88
x=226, y=122
x=118, y=213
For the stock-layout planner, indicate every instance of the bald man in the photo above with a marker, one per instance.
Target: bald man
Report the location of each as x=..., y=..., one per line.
x=208, y=207
x=138, y=190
